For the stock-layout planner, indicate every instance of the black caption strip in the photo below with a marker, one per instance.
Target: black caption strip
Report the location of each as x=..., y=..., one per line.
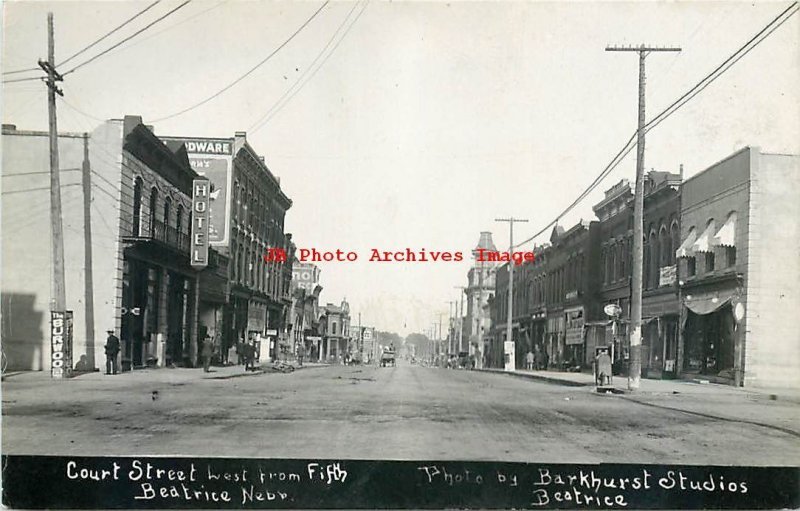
x=37, y=482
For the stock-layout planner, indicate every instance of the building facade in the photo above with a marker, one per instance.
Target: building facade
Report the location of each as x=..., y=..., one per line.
x=480, y=285
x=335, y=330
x=739, y=271
x=126, y=249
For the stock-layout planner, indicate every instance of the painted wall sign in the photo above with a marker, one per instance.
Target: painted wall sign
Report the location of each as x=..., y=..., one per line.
x=213, y=160
x=60, y=344
x=667, y=275
x=198, y=254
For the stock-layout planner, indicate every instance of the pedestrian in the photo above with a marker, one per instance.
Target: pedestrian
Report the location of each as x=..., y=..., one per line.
x=529, y=361
x=208, y=351
x=249, y=355
x=112, y=350
x=301, y=353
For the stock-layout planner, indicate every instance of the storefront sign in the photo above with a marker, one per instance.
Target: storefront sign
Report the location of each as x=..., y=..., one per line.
x=198, y=254
x=574, y=321
x=256, y=316
x=213, y=159
x=60, y=344
x=667, y=275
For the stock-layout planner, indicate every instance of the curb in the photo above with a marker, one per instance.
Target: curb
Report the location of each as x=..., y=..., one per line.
x=538, y=377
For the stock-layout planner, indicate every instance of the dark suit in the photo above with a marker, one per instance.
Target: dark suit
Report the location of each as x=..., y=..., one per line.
x=112, y=350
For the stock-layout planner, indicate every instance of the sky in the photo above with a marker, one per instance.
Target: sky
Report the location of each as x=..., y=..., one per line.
x=417, y=124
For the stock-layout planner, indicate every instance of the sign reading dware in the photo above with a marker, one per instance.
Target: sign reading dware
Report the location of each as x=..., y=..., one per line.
x=212, y=158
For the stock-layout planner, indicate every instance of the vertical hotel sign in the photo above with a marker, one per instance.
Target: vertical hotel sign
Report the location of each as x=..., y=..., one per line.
x=60, y=344
x=212, y=158
x=201, y=190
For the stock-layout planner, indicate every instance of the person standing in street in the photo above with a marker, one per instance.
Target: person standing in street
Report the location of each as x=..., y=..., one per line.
x=112, y=350
x=301, y=353
x=208, y=351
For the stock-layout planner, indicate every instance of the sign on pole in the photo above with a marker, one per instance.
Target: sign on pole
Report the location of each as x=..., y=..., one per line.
x=60, y=344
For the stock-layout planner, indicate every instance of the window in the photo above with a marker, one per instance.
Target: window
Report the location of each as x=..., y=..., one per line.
x=179, y=218
x=137, y=206
x=167, y=206
x=666, y=246
x=675, y=237
x=654, y=253
x=709, y=261
x=153, y=204
x=730, y=256
x=691, y=266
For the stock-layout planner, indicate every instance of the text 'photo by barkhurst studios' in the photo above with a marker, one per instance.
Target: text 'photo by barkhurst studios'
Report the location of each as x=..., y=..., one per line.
x=369, y=254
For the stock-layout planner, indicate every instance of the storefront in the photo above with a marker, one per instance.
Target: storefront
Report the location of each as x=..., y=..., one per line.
x=711, y=335
x=555, y=344
x=573, y=339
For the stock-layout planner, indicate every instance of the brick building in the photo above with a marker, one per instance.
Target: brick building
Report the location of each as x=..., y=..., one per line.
x=739, y=270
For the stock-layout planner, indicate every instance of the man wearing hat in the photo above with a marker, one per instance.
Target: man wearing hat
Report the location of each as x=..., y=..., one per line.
x=112, y=349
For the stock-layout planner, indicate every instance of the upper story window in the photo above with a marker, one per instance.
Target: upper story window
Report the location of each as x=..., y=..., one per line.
x=153, y=205
x=137, y=206
x=179, y=218
x=167, y=207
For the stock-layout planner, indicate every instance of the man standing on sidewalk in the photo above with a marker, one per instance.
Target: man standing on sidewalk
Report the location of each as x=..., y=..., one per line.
x=208, y=351
x=112, y=350
x=301, y=353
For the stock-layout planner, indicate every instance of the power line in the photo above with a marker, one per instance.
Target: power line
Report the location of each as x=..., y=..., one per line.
x=127, y=38
x=16, y=71
x=248, y=73
x=10, y=192
x=15, y=80
x=294, y=89
x=677, y=104
x=111, y=32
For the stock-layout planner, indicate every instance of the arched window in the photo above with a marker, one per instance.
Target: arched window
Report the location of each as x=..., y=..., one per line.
x=235, y=252
x=179, y=218
x=236, y=199
x=646, y=264
x=613, y=268
x=167, y=207
x=137, y=206
x=675, y=237
x=153, y=204
x=654, y=253
x=666, y=246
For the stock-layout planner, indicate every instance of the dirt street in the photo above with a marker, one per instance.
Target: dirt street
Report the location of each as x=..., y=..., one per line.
x=406, y=412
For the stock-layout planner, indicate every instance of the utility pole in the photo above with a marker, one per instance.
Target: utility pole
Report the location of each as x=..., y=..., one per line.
x=450, y=339
x=461, y=319
x=87, y=250
x=511, y=364
x=59, y=298
x=480, y=315
x=635, y=370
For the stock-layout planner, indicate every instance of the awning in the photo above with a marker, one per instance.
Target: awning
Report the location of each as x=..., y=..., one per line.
x=726, y=236
x=707, y=304
x=705, y=243
x=685, y=250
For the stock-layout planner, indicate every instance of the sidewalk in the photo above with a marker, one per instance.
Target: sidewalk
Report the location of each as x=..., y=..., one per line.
x=157, y=374
x=619, y=384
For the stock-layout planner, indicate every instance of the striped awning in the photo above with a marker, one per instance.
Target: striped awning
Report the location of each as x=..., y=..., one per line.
x=726, y=236
x=705, y=242
x=685, y=250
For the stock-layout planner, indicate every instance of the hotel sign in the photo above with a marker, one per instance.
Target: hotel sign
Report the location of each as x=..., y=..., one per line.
x=60, y=344
x=212, y=158
x=199, y=235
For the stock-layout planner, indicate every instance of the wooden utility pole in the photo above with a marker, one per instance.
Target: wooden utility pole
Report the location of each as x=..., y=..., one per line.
x=511, y=364
x=87, y=250
x=635, y=370
x=460, y=319
x=59, y=298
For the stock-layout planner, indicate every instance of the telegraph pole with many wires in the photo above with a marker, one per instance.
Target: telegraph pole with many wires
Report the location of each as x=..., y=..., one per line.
x=510, y=364
x=59, y=298
x=635, y=370
x=461, y=319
